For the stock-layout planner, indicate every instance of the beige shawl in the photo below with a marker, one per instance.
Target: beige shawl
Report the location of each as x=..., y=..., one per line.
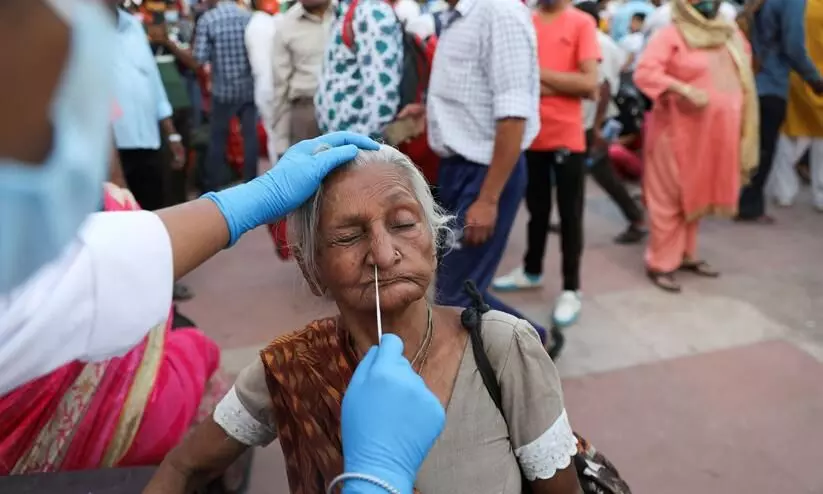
x=700, y=32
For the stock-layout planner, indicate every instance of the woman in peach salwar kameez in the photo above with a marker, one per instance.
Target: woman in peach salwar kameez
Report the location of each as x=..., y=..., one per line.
x=702, y=135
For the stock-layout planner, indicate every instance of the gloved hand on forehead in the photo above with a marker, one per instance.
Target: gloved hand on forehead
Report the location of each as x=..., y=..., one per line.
x=390, y=419
x=295, y=177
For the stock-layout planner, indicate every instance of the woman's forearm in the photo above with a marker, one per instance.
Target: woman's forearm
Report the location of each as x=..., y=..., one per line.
x=197, y=230
x=203, y=456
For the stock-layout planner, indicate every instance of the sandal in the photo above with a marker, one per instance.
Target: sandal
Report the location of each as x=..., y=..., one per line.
x=665, y=281
x=700, y=268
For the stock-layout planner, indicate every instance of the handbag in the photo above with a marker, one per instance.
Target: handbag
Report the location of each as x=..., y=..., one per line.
x=596, y=473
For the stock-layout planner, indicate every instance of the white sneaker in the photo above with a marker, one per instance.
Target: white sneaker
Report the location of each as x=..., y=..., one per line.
x=567, y=308
x=517, y=280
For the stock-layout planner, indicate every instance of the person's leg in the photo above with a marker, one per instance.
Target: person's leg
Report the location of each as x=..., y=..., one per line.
x=539, y=205
x=605, y=177
x=752, y=203
x=784, y=184
x=215, y=173
x=303, y=123
x=144, y=170
x=571, y=191
x=459, y=183
x=251, y=149
x=571, y=182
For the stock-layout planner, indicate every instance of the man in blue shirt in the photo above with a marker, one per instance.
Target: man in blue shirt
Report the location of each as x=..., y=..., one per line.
x=142, y=101
x=220, y=41
x=622, y=19
x=779, y=45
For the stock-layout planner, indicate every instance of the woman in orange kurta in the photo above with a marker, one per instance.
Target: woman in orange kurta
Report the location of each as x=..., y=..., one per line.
x=702, y=132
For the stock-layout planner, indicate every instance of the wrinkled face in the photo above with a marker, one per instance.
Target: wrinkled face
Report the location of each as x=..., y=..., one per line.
x=369, y=215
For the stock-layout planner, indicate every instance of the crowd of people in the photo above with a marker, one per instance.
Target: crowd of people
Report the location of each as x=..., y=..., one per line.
x=677, y=110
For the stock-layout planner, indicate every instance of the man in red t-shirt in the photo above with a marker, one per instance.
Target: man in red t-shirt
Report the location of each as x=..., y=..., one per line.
x=568, y=54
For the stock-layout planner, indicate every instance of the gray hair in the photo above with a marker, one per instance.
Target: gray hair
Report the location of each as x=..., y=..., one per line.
x=303, y=222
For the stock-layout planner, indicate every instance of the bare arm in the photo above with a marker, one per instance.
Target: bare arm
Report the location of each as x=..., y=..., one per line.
x=183, y=55
x=563, y=482
x=506, y=152
x=582, y=84
x=116, y=175
x=203, y=456
x=603, y=100
x=197, y=230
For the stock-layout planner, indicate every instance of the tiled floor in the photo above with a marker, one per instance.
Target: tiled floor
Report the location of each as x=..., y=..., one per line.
x=716, y=390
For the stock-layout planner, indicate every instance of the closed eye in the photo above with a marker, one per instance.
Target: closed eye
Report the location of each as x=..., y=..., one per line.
x=346, y=239
x=404, y=226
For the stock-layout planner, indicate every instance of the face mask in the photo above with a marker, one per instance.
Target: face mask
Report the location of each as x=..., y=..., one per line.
x=708, y=8
x=42, y=207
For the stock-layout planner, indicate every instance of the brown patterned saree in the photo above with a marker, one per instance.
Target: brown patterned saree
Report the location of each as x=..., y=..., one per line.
x=307, y=374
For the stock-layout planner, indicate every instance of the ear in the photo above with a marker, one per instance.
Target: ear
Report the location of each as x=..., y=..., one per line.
x=313, y=282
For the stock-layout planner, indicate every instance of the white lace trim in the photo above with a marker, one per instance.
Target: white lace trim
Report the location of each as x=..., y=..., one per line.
x=232, y=416
x=552, y=451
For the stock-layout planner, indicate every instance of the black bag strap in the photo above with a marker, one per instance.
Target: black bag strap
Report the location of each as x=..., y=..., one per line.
x=472, y=319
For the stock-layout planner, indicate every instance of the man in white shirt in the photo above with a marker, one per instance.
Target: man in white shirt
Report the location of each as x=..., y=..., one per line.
x=482, y=113
x=299, y=44
x=260, y=47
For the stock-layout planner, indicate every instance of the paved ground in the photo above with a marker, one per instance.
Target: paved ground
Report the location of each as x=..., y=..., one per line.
x=716, y=390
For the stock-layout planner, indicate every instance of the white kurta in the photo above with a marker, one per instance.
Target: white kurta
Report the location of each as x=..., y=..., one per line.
x=97, y=301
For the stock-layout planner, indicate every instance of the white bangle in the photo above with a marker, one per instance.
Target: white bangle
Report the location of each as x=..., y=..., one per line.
x=175, y=138
x=365, y=478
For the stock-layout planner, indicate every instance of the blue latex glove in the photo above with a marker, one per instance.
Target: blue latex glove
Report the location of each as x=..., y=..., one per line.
x=294, y=178
x=390, y=420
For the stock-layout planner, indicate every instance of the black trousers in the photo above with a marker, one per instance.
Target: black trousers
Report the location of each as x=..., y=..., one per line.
x=146, y=172
x=568, y=170
x=603, y=173
x=177, y=180
x=772, y=113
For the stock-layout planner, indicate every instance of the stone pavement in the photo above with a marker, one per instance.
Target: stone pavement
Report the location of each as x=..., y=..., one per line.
x=717, y=390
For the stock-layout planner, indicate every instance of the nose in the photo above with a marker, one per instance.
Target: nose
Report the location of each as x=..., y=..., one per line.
x=382, y=251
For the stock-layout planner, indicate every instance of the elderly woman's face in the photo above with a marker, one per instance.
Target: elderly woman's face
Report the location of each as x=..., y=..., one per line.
x=369, y=215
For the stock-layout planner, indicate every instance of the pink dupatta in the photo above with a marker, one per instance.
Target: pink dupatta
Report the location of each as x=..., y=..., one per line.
x=124, y=411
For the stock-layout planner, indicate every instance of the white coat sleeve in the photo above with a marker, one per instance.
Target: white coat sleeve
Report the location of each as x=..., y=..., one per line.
x=97, y=301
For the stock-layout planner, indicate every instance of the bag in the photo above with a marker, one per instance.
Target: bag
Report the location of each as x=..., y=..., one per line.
x=596, y=473
x=416, y=63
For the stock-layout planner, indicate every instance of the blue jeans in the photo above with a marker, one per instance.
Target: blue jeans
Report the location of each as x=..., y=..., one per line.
x=215, y=173
x=459, y=183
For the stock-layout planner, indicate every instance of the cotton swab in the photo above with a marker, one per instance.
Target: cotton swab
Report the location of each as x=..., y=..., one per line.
x=377, y=303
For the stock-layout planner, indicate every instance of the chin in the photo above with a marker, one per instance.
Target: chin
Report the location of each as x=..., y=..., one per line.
x=397, y=297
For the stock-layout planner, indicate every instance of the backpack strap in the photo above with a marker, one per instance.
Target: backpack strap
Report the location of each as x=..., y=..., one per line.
x=348, y=25
x=438, y=23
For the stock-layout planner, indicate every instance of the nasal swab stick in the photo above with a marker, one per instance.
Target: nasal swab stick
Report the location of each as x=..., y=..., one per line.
x=377, y=303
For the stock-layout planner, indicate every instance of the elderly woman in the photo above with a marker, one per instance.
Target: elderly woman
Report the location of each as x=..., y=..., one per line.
x=702, y=133
x=378, y=211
